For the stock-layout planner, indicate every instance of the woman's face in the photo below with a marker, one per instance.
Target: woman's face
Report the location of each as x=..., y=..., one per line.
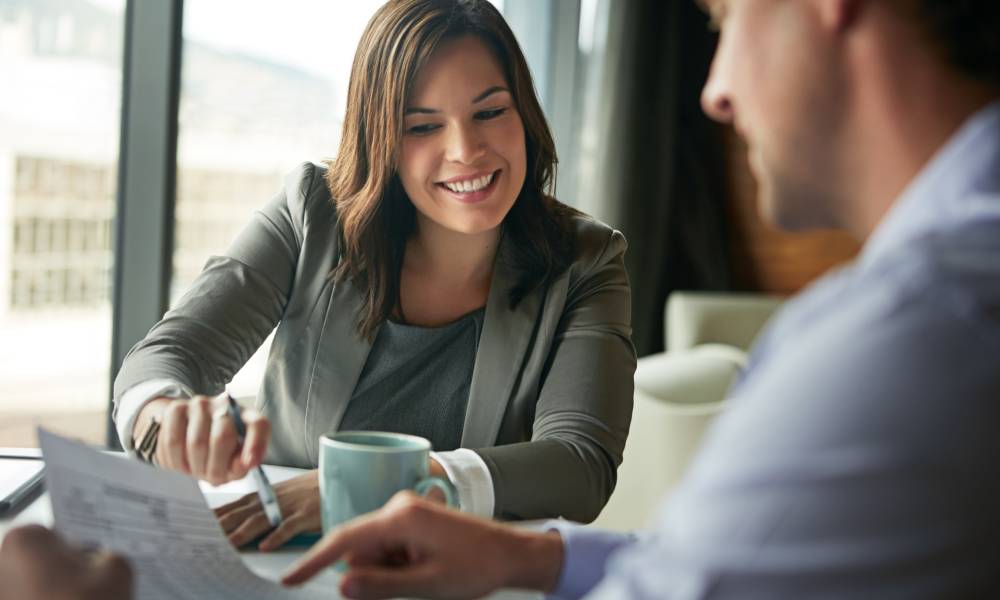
x=462, y=161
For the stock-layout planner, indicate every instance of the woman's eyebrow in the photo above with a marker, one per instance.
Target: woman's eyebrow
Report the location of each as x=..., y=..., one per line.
x=413, y=110
x=421, y=110
x=489, y=92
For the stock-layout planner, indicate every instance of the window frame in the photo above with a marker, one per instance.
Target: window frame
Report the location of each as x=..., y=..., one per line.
x=147, y=175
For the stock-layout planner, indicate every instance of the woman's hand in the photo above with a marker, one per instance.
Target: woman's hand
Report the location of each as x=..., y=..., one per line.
x=244, y=520
x=198, y=437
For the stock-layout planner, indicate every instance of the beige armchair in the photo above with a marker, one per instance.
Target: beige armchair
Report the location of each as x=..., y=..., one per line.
x=678, y=394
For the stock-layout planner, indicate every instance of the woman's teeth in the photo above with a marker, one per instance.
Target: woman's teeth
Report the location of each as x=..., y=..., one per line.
x=470, y=185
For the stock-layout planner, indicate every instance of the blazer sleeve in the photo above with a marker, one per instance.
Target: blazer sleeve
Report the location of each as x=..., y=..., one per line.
x=234, y=303
x=584, y=406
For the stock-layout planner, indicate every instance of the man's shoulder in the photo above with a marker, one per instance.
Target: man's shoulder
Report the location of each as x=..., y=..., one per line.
x=885, y=359
x=910, y=320
x=952, y=275
x=946, y=279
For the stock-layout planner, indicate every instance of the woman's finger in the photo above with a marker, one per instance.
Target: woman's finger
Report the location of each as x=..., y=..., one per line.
x=238, y=469
x=249, y=530
x=257, y=437
x=199, y=422
x=172, y=446
x=235, y=514
x=235, y=505
x=288, y=529
x=223, y=444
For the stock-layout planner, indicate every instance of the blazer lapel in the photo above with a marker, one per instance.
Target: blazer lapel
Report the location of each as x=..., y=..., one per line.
x=341, y=354
x=502, y=352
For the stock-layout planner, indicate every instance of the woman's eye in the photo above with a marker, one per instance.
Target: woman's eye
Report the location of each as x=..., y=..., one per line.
x=486, y=115
x=422, y=129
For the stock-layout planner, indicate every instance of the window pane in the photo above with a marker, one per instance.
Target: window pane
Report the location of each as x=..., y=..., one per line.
x=59, y=116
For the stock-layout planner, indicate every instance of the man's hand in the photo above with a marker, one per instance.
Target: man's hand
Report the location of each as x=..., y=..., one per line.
x=197, y=437
x=415, y=547
x=35, y=564
x=244, y=520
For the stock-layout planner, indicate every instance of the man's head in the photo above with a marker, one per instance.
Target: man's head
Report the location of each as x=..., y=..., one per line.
x=842, y=101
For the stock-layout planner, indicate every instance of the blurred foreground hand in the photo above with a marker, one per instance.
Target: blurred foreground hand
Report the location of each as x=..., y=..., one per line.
x=35, y=564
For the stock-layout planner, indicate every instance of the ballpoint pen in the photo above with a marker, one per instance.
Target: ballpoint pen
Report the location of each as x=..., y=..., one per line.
x=268, y=499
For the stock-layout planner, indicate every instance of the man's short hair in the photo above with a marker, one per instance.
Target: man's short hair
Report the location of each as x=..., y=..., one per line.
x=968, y=31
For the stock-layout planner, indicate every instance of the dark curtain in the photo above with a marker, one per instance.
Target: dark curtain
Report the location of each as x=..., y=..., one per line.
x=663, y=164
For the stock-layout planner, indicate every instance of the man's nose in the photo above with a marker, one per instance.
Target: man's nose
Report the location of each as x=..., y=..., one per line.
x=715, y=97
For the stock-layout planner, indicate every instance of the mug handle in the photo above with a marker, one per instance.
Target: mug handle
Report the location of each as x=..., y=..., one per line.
x=447, y=488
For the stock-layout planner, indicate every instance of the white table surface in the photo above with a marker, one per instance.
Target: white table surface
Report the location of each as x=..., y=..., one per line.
x=266, y=564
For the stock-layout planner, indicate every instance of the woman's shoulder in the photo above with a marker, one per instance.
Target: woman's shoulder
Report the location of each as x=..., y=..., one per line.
x=306, y=191
x=595, y=243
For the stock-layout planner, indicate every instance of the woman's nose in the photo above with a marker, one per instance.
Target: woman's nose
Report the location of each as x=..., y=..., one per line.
x=465, y=144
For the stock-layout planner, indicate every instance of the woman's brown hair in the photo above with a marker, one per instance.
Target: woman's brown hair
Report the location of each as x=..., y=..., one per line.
x=375, y=216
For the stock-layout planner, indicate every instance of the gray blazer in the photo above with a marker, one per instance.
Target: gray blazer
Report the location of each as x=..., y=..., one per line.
x=551, y=392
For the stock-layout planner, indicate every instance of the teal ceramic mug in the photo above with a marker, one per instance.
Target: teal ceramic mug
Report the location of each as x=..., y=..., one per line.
x=359, y=471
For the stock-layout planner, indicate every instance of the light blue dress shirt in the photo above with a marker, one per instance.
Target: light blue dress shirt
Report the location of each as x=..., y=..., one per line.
x=859, y=456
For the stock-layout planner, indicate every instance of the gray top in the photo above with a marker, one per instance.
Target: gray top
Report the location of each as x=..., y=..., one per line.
x=416, y=380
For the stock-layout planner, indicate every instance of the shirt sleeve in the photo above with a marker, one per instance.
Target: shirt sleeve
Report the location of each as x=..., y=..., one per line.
x=586, y=552
x=133, y=401
x=471, y=477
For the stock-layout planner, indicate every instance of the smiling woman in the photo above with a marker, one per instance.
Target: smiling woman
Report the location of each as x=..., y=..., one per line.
x=424, y=281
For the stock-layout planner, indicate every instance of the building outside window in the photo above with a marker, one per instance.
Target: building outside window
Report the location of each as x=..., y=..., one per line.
x=61, y=64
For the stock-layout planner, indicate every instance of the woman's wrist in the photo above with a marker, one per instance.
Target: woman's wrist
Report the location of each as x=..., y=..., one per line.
x=153, y=408
x=434, y=469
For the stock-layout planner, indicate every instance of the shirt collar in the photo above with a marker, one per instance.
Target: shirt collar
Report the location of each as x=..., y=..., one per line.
x=940, y=195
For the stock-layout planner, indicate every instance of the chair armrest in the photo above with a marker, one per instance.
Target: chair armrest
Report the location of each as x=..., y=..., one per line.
x=697, y=376
x=677, y=397
x=695, y=318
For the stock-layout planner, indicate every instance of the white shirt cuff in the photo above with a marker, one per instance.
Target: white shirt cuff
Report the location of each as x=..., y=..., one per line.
x=470, y=475
x=135, y=398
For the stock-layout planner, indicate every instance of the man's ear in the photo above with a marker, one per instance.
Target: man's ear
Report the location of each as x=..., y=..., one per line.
x=840, y=15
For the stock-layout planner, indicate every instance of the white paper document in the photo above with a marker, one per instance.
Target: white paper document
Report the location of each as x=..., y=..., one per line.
x=157, y=519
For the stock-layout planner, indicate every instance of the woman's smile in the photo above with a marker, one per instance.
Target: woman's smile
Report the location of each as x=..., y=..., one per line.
x=471, y=189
